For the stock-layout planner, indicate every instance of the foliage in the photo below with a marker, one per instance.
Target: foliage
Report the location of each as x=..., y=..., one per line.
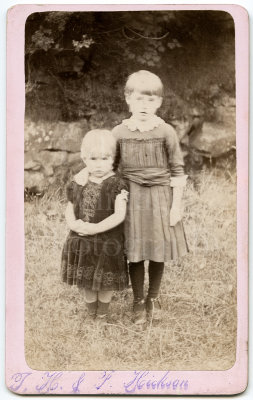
x=77, y=58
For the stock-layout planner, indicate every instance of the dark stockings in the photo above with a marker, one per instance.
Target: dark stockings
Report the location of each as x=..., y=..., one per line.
x=137, y=273
x=155, y=271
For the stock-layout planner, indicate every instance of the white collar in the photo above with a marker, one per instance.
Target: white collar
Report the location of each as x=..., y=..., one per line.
x=136, y=125
x=100, y=180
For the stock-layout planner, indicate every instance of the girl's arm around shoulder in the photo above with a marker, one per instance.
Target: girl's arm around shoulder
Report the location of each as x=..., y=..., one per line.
x=81, y=178
x=118, y=131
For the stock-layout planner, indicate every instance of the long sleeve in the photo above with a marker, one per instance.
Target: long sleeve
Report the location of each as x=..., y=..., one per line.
x=175, y=158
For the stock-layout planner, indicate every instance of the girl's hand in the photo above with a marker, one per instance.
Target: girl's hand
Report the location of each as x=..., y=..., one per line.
x=123, y=195
x=175, y=216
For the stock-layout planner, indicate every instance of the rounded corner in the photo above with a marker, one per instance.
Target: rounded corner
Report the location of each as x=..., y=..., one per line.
x=243, y=11
x=243, y=388
x=243, y=382
x=11, y=10
x=19, y=8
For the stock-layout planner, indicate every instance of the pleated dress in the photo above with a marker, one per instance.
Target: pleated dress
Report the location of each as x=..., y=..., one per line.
x=96, y=262
x=148, y=160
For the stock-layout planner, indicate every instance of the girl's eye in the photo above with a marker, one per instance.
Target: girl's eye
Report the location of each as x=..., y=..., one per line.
x=93, y=158
x=151, y=99
x=105, y=158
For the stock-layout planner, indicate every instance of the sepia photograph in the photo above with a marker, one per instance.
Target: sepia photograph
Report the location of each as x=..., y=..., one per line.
x=130, y=181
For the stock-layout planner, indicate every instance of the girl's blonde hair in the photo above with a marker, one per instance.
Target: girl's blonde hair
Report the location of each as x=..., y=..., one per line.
x=144, y=82
x=98, y=141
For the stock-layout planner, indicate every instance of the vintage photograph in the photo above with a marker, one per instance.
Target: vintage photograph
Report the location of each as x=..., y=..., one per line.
x=130, y=186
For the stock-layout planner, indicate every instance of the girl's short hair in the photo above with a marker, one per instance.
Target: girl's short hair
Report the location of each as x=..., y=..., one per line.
x=98, y=141
x=144, y=82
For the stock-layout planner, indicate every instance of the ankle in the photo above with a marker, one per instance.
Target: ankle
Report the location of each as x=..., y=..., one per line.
x=91, y=309
x=102, y=309
x=139, y=304
x=153, y=303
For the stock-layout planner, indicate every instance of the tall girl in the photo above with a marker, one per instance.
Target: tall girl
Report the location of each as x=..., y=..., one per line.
x=150, y=159
x=93, y=255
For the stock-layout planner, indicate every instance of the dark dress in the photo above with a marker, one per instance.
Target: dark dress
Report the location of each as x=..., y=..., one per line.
x=95, y=262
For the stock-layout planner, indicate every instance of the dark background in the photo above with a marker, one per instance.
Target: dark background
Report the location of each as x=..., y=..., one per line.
x=77, y=63
x=70, y=75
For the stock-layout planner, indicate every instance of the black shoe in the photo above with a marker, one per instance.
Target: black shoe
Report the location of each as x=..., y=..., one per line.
x=102, y=313
x=139, y=311
x=92, y=309
x=154, y=309
x=101, y=320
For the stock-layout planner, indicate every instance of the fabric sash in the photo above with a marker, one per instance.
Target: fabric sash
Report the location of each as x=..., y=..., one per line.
x=147, y=176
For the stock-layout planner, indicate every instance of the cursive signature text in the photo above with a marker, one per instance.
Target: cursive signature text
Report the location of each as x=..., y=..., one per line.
x=106, y=376
x=54, y=382
x=50, y=382
x=143, y=380
x=77, y=384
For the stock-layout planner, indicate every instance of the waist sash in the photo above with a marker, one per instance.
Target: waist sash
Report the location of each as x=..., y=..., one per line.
x=147, y=176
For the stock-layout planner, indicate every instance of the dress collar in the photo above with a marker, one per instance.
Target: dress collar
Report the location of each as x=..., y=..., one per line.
x=136, y=125
x=100, y=180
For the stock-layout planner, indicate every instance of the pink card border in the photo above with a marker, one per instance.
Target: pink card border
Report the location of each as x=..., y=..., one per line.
x=20, y=378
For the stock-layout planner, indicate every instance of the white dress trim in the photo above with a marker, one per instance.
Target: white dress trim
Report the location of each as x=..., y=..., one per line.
x=83, y=177
x=135, y=125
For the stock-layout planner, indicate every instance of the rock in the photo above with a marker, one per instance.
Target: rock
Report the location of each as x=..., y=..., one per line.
x=68, y=136
x=51, y=151
x=225, y=116
x=228, y=101
x=50, y=158
x=179, y=126
x=213, y=140
x=30, y=163
x=74, y=157
x=45, y=161
x=35, y=179
x=65, y=136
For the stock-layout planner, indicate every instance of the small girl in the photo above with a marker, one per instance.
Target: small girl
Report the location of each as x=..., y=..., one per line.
x=93, y=255
x=149, y=157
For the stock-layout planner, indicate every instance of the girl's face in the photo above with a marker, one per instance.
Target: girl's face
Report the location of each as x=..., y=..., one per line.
x=143, y=106
x=98, y=164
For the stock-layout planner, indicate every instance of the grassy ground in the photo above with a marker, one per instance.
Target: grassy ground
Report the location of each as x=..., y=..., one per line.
x=198, y=294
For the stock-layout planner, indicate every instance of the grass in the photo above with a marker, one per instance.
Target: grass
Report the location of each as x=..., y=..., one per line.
x=198, y=294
